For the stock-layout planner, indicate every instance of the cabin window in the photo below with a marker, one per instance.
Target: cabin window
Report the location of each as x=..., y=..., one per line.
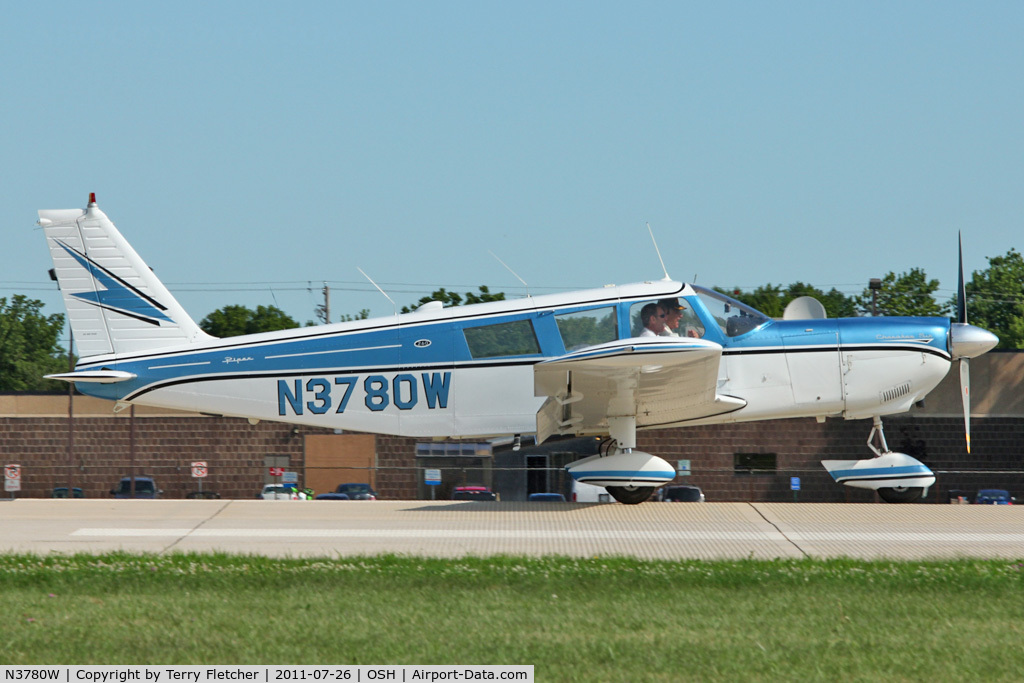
x=515, y=338
x=587, y=328
x=753, y=463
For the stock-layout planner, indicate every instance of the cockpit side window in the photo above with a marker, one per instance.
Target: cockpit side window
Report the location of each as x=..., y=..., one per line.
x=587, y=328
x=675, y=319
x=733, y=317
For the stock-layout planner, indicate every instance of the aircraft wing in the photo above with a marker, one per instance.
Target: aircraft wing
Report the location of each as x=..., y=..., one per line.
x=661, y=381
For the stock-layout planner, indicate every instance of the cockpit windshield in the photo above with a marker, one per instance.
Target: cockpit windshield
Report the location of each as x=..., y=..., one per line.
x=733, y=317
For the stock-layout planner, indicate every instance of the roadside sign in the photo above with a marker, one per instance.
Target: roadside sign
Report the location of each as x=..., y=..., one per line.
x=12, y=477
x=199, y=469
x=794, y=483
x=276, y=471
x=683, y=468
x=290, y=478
x=432, y=477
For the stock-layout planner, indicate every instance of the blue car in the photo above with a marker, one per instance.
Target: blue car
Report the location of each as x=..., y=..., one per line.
x=994, y=497
x=332, y=496
x=357, y=491
x=547, y=497
x=145, y=487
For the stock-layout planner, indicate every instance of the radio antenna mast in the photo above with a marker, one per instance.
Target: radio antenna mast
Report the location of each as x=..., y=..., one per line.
x=658, y=252
x=379, y=289
x=511, y=271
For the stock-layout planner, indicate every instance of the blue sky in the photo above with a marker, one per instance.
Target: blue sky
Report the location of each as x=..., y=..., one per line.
x=252, y=153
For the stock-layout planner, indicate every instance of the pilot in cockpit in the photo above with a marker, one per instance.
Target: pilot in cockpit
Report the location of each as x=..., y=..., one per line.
x=673, y=317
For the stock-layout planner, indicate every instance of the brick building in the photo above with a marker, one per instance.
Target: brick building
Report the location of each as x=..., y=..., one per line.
x=746, y=461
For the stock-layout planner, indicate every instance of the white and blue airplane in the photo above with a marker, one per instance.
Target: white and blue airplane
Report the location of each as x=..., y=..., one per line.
x=579, y=363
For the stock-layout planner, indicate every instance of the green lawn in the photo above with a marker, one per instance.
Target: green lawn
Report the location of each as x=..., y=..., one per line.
x=586, y=620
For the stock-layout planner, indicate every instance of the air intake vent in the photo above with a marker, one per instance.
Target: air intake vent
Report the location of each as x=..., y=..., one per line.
x=896, y=392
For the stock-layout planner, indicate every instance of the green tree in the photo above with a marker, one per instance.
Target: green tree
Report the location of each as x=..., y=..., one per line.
x=454, y=299
x=363, y=314
x=235, y=320
x=28, y=346
x=909, y=293
x=772, y=299
x=995, y=299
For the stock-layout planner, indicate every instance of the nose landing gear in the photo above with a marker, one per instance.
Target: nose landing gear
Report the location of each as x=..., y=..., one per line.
x=897, y=477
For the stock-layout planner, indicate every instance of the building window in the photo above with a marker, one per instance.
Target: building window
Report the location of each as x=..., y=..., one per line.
x=753, y=463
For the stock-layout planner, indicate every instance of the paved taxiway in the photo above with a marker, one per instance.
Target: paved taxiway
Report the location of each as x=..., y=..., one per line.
x=453, y=529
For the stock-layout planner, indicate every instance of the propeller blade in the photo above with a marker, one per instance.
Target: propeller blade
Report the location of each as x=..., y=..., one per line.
x=965, y=394
x=961, y=292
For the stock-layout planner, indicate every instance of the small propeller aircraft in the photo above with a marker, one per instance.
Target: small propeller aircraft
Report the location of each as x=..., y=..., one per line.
x=605, y=361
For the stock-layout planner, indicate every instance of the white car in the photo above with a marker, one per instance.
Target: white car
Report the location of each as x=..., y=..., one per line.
x=278, y=492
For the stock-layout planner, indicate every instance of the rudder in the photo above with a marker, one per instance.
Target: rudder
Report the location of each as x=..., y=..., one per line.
x=115, y=303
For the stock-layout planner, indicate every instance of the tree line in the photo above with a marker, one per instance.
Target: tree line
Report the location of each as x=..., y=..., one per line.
x=30, y=344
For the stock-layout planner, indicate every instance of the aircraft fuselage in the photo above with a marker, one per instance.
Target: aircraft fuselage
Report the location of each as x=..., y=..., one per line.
x=469, y=370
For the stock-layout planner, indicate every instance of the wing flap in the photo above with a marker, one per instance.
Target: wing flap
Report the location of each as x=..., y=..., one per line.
x=660, y=381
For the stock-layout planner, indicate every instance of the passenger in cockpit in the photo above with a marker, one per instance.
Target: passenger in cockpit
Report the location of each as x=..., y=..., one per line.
x=653, y=317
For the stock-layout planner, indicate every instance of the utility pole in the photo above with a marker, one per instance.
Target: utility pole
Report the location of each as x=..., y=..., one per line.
x=327, y=303
x=323, y=311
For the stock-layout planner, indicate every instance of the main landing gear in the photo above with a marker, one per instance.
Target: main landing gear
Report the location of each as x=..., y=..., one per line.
x=897, y=477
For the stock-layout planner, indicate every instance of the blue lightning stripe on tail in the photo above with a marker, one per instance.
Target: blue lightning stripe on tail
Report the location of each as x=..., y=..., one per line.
x=118, y=295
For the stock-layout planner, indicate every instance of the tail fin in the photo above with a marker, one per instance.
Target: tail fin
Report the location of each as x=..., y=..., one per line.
x=115, y=303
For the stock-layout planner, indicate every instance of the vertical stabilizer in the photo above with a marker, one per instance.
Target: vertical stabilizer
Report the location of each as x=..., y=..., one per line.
x=115, y=303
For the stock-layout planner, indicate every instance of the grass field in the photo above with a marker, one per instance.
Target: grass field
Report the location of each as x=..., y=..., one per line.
x=575, y=620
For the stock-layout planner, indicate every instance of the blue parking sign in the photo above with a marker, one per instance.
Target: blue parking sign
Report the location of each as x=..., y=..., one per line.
x=794, y=483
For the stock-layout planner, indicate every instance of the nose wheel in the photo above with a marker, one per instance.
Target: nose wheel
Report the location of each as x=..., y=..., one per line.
x=901, y=494
x=630, y=495
x=890, y=494
x=897, y=477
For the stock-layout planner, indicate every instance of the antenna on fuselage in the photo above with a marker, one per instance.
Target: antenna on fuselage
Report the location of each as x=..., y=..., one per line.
x=379, y=289
x=658, y=252
x=511, y=271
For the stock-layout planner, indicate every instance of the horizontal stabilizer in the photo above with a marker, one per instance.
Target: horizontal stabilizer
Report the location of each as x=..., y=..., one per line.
x=94, y=376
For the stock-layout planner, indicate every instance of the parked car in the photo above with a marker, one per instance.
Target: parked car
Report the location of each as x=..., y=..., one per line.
x=62, y=492
x=202, y=495
x=145, y=487
x=588, y=493
x=994, y=497
x=547, y=497
x=682, y=494
x=357, y=491
x=332, y=496
x=279, y=492
x=478, y=493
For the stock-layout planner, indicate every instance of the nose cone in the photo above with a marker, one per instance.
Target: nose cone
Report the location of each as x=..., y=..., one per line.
x=968, y=341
